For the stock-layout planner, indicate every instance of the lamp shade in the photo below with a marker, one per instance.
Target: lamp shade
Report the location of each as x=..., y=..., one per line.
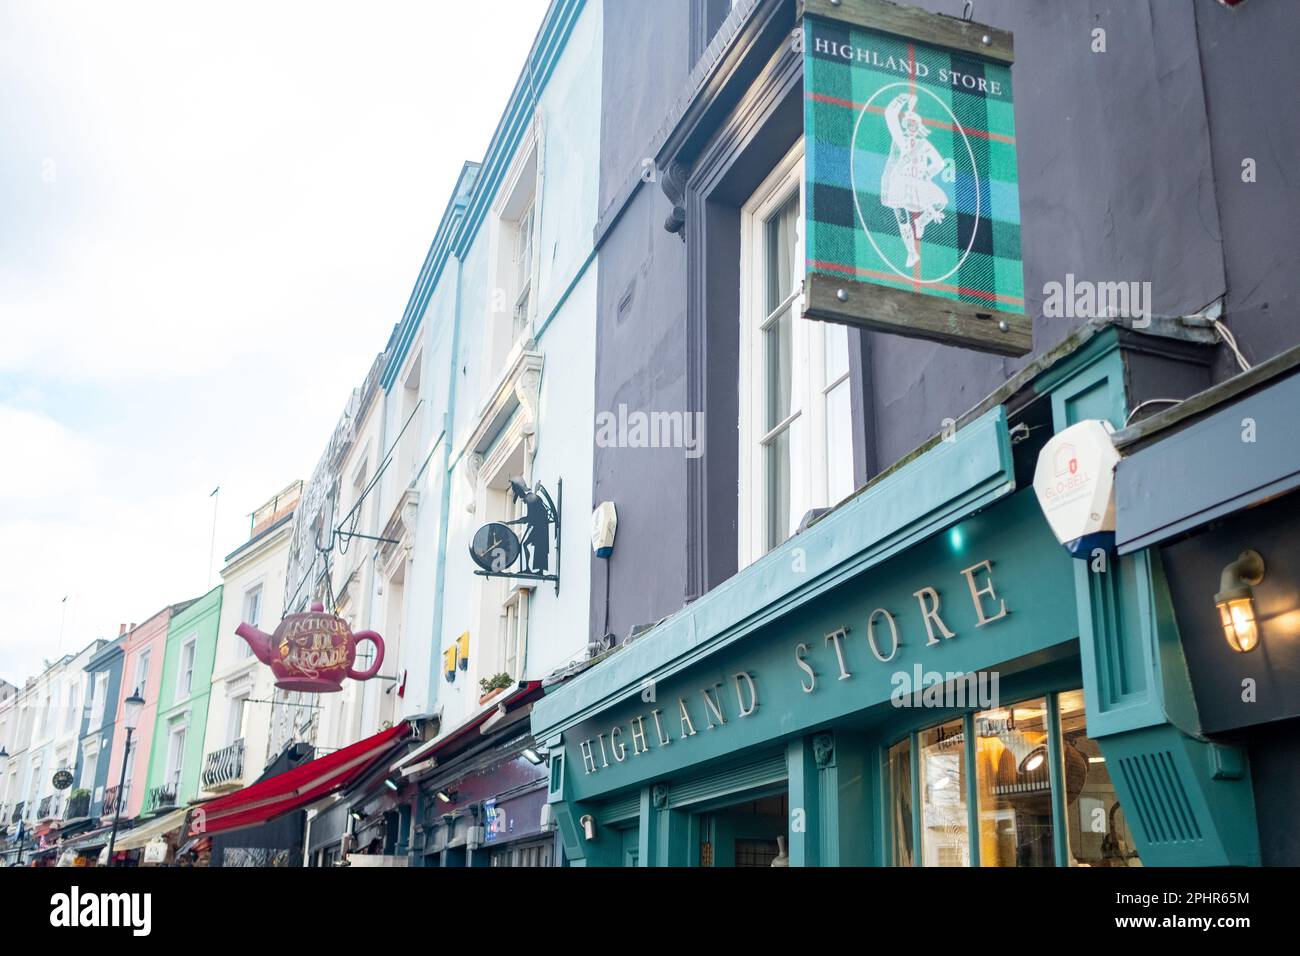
x=1236, y=601
x=131, y=708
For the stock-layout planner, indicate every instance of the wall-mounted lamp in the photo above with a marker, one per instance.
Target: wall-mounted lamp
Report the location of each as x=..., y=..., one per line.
x=391, y=784
x=446, y=796
x=1236, y=601
x=588, y=827
x=533, y=756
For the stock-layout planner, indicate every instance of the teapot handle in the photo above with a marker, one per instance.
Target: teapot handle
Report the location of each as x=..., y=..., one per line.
x=373, y=669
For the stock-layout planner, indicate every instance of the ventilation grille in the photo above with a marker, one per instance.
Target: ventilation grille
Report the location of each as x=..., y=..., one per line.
x=1159, y=800
x=627, y=808
x=760, y=773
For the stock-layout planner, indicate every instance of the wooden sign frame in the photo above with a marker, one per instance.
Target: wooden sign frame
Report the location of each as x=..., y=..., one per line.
x=986, y=314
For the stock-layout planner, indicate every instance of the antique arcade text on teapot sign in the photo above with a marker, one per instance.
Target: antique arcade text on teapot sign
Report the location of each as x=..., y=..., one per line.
x=312, y=652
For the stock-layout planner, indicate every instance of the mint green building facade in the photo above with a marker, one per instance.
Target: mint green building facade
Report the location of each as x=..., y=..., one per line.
x=176, y=756
x=810, y=710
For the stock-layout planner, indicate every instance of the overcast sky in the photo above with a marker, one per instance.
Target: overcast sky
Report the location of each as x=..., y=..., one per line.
x=210, y=219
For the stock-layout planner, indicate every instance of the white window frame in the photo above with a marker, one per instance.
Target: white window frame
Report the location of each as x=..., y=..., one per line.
x=176, y=755
x=499, y=595
x=512, y=639
x=520, y=200
x=98, y=699
x=245, y=650
x=89, y=767
x=184, y=676
x=142, y=662
x=235, y=728
x=808, y=358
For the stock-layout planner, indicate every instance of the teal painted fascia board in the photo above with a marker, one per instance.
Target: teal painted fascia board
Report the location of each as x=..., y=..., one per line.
x=950, y=481
x=467, y=210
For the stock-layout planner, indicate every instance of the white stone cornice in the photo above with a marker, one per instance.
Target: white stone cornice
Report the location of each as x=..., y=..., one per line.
x=518, y=389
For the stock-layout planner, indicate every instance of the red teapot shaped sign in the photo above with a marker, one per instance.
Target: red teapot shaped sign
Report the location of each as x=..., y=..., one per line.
x=312, y=652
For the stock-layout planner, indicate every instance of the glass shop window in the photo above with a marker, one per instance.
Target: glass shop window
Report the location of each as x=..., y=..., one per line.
x=1099, y=835
x=945, y=840
x=1014, y=785
x=900, y=803
x=1036, y=774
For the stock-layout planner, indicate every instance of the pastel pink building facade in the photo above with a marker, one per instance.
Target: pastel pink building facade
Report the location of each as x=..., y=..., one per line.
x=142, y=667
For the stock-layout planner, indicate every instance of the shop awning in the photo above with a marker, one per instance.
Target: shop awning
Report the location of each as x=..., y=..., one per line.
x=91, y=841
x=523, y=692
x=149, y=831
x=296, y=788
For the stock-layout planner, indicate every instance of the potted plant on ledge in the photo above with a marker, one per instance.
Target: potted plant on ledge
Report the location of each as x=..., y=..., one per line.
x=494, y=685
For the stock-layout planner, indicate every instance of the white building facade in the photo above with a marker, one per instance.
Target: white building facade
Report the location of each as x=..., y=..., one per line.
x=236, y=742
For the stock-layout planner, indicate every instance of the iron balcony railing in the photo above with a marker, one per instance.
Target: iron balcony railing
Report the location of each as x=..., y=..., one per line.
x=18, y=812
x=78, y=806
x=46, y=808
x=160, y=798
x=224, y=767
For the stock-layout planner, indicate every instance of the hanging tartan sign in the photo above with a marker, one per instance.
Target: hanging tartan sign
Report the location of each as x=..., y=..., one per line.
x=912, y=203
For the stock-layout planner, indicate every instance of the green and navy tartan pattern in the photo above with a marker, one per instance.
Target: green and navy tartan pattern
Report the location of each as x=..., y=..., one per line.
x=851, y=75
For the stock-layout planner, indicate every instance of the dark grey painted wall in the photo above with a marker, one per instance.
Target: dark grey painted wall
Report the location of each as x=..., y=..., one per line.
x=641, y=315
x=1252, y=76
x=1129, y=169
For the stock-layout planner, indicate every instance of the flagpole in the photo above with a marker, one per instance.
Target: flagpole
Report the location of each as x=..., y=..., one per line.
x=212, y=546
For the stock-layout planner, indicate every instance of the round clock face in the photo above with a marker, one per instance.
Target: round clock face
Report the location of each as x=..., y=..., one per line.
x=495, y=548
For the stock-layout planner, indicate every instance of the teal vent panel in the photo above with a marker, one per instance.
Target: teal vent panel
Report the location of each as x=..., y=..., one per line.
x=1180, y=812
x=623, y=808
x=1161, y=807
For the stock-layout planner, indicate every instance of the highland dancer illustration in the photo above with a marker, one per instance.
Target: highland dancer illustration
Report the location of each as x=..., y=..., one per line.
x=907, y=185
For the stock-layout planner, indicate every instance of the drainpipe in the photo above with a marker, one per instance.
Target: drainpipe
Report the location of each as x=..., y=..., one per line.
x=449, y=420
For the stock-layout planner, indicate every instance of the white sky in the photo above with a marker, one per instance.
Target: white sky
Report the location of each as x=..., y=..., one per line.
x=210, y=220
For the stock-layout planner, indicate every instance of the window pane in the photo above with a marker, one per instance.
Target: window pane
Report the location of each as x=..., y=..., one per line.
x=839, y=444
x=945, y=839
x=837, y=351
x=1099, y=834
x=778, y=488
x=900, y=802
x=1015, y=786
x=780, y=254
x=778, y=354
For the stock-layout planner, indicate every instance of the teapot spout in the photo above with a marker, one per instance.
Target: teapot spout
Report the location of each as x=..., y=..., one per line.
x=259, y=641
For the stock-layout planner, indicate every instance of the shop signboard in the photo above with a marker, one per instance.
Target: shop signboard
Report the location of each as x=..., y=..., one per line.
x=959, y=614
x=911, y=186
x=313, y=652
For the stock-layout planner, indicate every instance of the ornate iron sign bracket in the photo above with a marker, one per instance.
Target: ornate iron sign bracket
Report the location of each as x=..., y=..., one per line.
x=496, y=547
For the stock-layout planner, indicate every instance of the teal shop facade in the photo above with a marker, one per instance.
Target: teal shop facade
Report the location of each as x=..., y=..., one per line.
x=922, y=676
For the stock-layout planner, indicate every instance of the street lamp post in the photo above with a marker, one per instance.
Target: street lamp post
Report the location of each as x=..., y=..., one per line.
x=131, y=708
